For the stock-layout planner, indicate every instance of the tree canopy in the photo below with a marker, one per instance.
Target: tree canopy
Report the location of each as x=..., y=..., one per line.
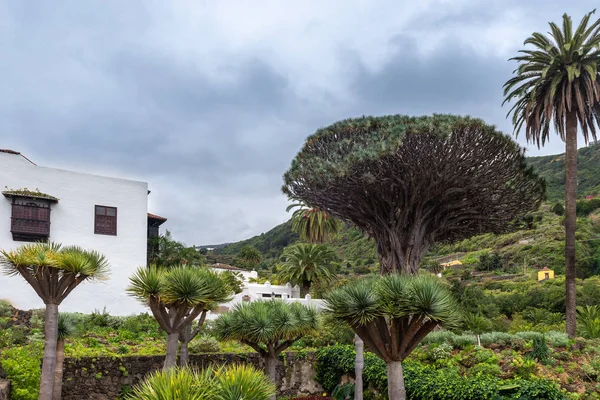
x=411, y=181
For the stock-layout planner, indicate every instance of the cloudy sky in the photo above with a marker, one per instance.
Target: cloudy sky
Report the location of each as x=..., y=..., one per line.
x=208, y=101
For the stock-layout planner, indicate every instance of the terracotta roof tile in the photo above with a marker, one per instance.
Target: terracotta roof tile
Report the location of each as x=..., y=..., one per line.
x=154, y=216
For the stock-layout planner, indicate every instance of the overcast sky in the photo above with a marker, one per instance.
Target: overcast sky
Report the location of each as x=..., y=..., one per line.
x=209, y=101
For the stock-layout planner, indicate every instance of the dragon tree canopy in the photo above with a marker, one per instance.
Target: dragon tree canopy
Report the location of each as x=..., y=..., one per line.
x=411, y=181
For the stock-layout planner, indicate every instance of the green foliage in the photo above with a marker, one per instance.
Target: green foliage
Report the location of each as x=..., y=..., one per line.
x=558, y=209
x=234, y=280
x=490, y=262
x=343, y=392
x=165, y=252
x=588, y=321
x=204, y=344
x=22, y=365
x=313, y=225
x=5, y=308
x=540, y=351
x=233, y=382
x=307, y=263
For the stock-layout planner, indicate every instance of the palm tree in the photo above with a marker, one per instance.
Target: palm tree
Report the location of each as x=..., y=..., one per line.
x=53, y=272
x=250, y=256
x=556, y=85
x=477, y=324
x=392, y=314
x=269, y=327
x=176, y=297
x=307, y=263
x=312, y=224
x=167, y=252
x=66, y=328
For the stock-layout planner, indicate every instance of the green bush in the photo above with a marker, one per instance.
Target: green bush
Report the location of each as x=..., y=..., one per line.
x=5, y=308
x=204, y=344
x=540, y=351
x=440, y=352
x=485, y=369
x=22, y=366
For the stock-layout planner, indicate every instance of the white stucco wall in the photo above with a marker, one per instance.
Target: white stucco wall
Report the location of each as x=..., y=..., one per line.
x=72, y=223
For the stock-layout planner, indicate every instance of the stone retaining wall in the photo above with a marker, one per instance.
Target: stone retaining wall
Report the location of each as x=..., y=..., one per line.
x=4, y=390
x=104, y=378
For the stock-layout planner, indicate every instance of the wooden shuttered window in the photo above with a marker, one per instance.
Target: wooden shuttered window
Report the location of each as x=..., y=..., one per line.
x=105, y=222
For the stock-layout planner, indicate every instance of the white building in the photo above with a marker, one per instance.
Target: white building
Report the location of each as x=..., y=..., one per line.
x=261, y=291
x=109, y=215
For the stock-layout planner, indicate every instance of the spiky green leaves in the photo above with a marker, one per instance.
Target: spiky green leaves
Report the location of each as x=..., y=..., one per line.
x=268, y=326
x=306, y=263
x=188, y=286
x=392, y=314
x=52, y=270
x=234, y=382
x=312, y=224
x=558, y=77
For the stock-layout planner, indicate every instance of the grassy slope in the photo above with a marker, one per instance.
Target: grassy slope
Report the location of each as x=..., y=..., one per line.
x=357, y=253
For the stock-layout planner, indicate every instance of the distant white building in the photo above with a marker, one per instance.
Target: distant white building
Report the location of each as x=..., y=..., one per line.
x=261, y=291
x=109, y=215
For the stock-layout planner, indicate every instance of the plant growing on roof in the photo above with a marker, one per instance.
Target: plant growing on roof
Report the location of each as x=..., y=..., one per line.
x=411, y=181
x=53, y=272
x=269, y=327
x=392, y=314
x=176, y=297
x=556, y=86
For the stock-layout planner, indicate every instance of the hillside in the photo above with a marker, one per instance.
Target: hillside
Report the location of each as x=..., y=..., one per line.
x=540, y=245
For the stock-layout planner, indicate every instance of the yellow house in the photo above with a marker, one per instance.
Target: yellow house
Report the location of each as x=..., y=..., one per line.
x=545, y=274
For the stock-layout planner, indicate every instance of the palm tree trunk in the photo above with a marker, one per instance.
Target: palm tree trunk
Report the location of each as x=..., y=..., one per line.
x=271, y=370
x=359, y=365
x=172, y=344
x=49, y=360
x=58, y=370
x=305, y=288
x=184, y=350
x=396, y=389
x=570, y=222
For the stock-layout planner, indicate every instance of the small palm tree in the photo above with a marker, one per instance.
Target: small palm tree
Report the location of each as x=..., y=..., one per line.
x=306, y=263
x=176, y=297
x=53, y=272
x=269, y=327
x=66, y=328
x=477, y=324
x=312, y=224
x=392, y=314
x=250, y=256
x=557, y=86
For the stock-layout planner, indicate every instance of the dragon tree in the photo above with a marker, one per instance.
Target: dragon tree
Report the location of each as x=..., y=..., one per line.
x=411, y=181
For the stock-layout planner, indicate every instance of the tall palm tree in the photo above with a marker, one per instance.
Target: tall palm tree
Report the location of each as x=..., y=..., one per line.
x=176, y=297
x=306, y=263
x=392, y=314
x=269, y=327
x=556, y=85
x=53, y=272
x=66, y=328
x=312, y=224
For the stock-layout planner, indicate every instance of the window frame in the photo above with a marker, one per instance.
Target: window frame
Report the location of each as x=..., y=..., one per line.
x=96, y=215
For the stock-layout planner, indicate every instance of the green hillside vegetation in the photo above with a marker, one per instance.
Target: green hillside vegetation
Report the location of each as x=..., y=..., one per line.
x=552, y=168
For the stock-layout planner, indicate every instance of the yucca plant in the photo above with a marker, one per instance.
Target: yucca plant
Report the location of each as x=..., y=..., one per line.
x=556, y=88
x=53, y=272
x=176, y=297
x=177, y=384
x=243, y=382
x=66, y=328
x=392, y=314
x=233, y=382
x=588, y=319
x=306, y=263
x=312, y=224
x=269, y=327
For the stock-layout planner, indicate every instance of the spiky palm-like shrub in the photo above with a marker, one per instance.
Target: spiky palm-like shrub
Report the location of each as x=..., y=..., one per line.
x=176, y=297
x=269, y=327
x=392, y=314
x=53, y=272
x=234, y=382
x=588, y=319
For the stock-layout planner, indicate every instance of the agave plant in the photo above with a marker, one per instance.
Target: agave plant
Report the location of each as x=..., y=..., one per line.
x=53, y=272
x=392, y=314
x=176, y=297
x=269, y=327
x=588, y=320
x=234, y=382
